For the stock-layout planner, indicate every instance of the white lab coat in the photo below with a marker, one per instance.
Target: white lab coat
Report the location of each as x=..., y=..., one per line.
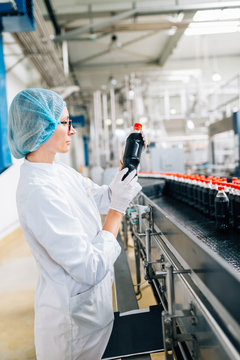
x=59, y=211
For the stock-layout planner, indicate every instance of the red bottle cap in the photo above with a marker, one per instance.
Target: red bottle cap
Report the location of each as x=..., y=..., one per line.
x=137, y=126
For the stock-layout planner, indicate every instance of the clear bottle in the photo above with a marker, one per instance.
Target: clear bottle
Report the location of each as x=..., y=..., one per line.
x=133, y=149
x=221, y=210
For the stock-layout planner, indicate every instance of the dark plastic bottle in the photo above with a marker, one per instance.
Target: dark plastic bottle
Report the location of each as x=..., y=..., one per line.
x=205, y=196
x=231, y=197
x=200, y=194
x=195, y=190
x=221, y=210
x=236, y=209
x=211, y=199
x=133, y=150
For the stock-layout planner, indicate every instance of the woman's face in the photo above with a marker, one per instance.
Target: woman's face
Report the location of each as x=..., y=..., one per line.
x=60, y=141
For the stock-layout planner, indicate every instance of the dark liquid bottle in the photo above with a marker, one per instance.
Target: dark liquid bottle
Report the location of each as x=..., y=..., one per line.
x=231, y=197
x=236, y=209
x=205, y=196
x=211, y=199
x=221, y=210
x=133, y=150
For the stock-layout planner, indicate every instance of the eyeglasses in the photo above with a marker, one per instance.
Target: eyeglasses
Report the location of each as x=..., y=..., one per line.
x=69, y=123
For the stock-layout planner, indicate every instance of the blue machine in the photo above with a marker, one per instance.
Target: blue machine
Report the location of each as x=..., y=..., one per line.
x=78, y=120
x=86, y=153
x=5, y=157
x=15, y=16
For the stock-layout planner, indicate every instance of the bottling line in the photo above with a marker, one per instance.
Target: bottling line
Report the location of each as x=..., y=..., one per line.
x=194, y=272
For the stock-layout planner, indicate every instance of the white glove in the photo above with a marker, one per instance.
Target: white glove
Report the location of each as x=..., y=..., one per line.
x=124, y=191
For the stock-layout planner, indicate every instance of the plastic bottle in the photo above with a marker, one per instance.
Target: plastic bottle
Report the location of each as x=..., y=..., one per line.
x=205, y=196
x=194, y=191
x=221, y=210
x=231, y=197
x=236, y=208
x=200, y=194
x=211, y=198
x=133, y=149
x=189, y=190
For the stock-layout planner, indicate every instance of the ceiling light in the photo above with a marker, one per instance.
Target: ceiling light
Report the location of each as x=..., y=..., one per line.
x=112, y=80
x=173, y=111
x=216, y=76
x=208, y=28
x=218, y=14
x=114, y=44
x=119, y=121
x=131, y=94
x=108, y=122
x=190, y=124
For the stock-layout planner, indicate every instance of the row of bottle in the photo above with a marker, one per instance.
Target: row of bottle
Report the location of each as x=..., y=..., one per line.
x=213, y=196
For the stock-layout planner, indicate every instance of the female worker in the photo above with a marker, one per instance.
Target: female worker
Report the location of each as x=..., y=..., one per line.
x=59, y=211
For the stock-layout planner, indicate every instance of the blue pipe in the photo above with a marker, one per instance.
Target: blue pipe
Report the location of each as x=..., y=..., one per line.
x=5, y=156
x=86, y=154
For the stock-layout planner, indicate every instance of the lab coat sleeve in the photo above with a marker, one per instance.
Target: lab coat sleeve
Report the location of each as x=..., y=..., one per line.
x=101, y=194
x=50, y=220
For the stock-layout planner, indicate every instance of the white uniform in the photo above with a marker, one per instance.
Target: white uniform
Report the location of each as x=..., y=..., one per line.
x=59, y=213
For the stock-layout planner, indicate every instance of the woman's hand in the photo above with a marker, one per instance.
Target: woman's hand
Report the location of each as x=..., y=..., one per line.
x=123, y=191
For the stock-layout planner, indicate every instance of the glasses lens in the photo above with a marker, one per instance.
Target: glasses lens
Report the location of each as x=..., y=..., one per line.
x=69, y=125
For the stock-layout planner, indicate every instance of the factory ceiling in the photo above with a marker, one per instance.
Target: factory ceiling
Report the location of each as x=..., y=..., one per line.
x=88, y=44
x=109, y=37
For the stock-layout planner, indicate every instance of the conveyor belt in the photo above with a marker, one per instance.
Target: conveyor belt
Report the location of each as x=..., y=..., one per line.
x=226, y=245
x=195, y=242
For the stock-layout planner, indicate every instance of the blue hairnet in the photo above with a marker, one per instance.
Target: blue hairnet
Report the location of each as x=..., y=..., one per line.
x=33, y=117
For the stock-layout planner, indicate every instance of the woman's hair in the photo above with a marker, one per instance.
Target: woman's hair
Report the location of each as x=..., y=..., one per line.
x=33, y=117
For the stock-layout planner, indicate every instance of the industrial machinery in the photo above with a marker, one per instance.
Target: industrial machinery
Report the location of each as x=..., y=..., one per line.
x=14, y=16
x=194, y=272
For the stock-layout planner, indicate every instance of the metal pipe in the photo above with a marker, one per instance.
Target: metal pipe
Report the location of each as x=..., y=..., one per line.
x=105, y=126
x=170, y=289
x=52, y=16
x=159, y=294
x=98, y=25
x=96, y=138
x=148, y=245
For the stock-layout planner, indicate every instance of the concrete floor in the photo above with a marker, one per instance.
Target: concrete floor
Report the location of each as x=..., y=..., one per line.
x=18, y=274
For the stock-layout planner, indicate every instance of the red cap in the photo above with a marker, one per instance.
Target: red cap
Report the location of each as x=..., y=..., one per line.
x=137, y=126
x=220, y=187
